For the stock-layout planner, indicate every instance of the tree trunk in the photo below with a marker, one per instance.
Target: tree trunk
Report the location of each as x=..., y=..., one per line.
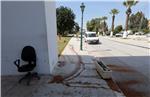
x=104, y=28
x=113, y=19
x=128, y=12
x=125, y=33
x=59, y=36
x=112, y=26
x=127, y=19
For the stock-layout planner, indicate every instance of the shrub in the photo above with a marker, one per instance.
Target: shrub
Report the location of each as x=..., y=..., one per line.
x=118, y=29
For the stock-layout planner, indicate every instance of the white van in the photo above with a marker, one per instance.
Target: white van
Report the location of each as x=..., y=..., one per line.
x=91, y=37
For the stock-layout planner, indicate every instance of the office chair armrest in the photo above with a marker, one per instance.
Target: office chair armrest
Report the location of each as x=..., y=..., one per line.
x=17, y=62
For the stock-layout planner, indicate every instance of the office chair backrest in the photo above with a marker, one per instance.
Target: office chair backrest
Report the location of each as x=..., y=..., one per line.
x=28, y=54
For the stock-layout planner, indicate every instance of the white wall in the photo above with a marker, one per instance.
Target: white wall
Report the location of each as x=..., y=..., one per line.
x=24, y=23
x=51, y=27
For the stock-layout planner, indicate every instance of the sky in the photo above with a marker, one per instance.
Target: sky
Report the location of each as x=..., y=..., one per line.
x=99, y=8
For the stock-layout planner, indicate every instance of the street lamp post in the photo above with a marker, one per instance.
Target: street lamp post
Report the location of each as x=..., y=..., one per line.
x=82, y=10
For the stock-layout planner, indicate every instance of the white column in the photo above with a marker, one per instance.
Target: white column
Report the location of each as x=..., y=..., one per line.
x=51, y=27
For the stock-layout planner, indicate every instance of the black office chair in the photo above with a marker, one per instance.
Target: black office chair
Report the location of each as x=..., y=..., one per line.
x=28, y=54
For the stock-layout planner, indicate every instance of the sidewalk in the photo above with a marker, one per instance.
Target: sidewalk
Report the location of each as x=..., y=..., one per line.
x=81, y=73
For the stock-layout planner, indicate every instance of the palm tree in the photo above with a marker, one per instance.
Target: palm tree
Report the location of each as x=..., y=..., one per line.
x=113, y=13
x=128, y=4
x=97, y=26
x=100, y=28
x=104, y=18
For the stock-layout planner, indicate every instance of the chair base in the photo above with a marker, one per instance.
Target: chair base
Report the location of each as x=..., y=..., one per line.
x=29, y=77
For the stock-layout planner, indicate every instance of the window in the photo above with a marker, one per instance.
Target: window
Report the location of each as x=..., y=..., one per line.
x=92, y=35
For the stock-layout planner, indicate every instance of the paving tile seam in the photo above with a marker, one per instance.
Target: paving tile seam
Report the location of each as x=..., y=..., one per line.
x=84, y=83
x=87, y=86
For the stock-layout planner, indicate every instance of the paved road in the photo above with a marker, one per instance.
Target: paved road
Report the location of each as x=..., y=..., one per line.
x=130, y=65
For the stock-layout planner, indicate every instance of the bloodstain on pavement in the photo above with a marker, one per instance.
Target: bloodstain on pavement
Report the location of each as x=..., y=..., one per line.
x=130, y=92
x=128, y=80
x=121, y=68
x=112, y=85
x=57, y=79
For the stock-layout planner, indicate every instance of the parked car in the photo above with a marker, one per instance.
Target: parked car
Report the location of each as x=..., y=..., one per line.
x=139, y=33
x=91, y=37
x=119, y=34
x=130, y=32
x=148, y=34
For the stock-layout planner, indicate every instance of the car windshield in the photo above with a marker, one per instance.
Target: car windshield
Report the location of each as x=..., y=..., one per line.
x=92, y=35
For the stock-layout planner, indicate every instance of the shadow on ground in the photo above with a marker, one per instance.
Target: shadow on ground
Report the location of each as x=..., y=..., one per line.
x=131, y=73
x=81, y=79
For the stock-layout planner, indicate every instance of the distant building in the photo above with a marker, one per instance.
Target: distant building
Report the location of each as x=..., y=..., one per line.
x=28, y=23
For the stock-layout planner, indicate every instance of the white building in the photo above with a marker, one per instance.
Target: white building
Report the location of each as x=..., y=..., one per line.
x=28, y=23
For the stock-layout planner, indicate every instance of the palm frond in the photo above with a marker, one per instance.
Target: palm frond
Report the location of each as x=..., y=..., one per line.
x=104, y=18
x=130, y=3
x=125, y=3
x=114, y=11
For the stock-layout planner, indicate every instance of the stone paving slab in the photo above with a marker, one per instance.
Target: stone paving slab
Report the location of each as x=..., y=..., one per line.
x=11, y=88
